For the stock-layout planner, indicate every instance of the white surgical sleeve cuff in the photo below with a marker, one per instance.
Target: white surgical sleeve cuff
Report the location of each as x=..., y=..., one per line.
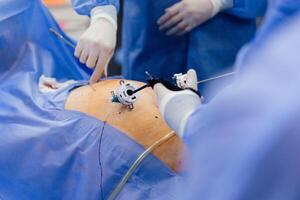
x=219, y=5
x=176, y=108
x=108, y=12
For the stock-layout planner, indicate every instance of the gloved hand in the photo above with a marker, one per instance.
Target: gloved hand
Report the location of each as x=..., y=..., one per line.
x=97, y=45
x=187, y=14
x=177, y=106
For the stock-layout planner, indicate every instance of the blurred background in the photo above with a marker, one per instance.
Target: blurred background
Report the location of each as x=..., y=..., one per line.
x=74, y=25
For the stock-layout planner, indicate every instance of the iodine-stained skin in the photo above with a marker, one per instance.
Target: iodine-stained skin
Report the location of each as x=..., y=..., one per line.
x=47, y=152
x=143, y=124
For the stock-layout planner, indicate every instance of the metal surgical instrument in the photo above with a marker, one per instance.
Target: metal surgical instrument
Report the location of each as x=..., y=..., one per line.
x=61, y=37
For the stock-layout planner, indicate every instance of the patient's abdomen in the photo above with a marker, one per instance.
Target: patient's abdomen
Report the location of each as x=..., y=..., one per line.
x=143, y=124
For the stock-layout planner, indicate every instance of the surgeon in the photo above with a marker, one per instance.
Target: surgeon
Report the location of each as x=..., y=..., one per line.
x=168, y=36
x=177, y=106
x=245, y=142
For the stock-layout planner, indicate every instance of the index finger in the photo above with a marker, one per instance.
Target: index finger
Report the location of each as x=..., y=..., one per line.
x=102, y=62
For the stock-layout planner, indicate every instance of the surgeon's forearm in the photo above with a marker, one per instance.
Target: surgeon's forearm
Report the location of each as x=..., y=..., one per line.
x=108, y=12
x=220, y=5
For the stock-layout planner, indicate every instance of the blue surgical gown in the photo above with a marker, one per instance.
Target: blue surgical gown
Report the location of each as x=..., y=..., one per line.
x=245, y=142
x=210, y=49
x=279, y=12
x=84, y=7
x=50, y=153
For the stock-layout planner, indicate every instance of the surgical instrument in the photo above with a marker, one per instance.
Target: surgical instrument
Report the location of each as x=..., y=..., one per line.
x=61, y=37
x=180, y=82
x=124, y=94
x=181, y=79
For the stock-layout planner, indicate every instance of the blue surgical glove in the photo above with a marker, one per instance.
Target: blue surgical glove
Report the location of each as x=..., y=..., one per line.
x=177, y=106
x=185, y=15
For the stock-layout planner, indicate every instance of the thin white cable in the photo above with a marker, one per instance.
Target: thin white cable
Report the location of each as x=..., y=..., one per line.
x=137, y=163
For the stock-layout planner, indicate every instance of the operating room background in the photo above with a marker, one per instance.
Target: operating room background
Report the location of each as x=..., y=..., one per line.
x=74, y=25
